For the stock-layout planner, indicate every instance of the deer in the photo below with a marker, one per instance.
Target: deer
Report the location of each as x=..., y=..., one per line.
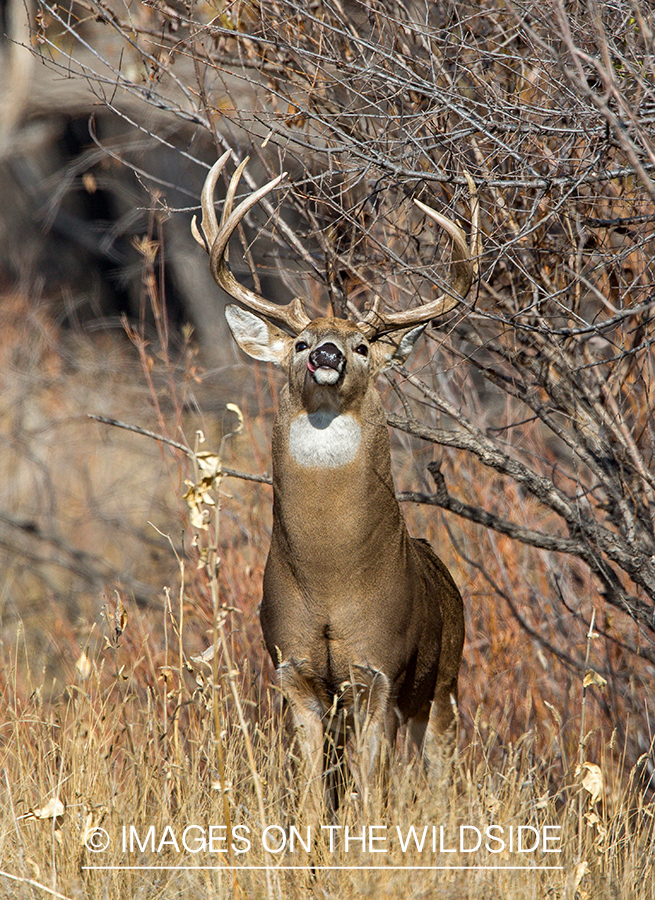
x=363, y=623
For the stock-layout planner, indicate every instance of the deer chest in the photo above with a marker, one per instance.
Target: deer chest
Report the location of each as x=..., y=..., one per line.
x=324, y=440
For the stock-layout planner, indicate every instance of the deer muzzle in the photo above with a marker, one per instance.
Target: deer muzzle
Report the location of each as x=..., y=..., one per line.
x=326, y=363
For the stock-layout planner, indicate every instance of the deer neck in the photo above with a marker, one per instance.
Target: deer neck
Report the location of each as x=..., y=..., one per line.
x=333, y=488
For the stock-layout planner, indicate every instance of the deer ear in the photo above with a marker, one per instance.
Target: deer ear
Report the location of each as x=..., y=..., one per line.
x=396, y=347
x=257, y=337
x=407, y=341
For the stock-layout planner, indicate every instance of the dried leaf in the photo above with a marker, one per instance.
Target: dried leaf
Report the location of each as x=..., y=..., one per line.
x=53, y=809
x=593, y=780
x=83, y=665
x=594, y=678
x=210, y=464
x=120, y=617
x=543, y=802
x=197, y=497
x=166, y=673
x=581, y=870
x=235, y=409
x=217, y=786
x=205, y=658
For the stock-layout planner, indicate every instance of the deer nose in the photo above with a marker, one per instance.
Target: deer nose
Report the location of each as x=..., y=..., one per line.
x=327, y=356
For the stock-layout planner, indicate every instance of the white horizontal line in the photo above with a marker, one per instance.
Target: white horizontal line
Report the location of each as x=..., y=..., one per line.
x=317, y=868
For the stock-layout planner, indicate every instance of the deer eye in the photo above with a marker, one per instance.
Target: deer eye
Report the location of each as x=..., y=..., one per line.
x=301, y=345
x=362, y=349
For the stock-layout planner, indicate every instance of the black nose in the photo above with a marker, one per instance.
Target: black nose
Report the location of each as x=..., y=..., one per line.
x=327, y=356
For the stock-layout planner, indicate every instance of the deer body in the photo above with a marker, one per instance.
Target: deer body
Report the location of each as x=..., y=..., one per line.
x=344, y=582
x=355, y=613
x=364, y=623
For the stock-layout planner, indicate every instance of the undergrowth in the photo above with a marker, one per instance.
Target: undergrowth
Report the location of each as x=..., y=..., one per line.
x=129, y=784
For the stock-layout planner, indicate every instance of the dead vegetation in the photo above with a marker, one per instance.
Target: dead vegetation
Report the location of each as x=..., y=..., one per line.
x=120, y=727
x=532, y=409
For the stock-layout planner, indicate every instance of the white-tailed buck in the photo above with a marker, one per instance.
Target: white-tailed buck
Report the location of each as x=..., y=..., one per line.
x=364, y=623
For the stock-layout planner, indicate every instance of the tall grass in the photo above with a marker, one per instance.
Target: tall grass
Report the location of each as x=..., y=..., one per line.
x=130, y=747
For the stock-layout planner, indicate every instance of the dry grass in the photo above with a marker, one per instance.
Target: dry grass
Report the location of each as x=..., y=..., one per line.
x=112, y=718
x=129, y=744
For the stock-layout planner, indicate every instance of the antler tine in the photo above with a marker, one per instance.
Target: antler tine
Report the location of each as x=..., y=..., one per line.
x=206, y=234
x=217, y=237
x=375, y=323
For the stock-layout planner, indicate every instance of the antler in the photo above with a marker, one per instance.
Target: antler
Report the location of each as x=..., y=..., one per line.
x=375, y=323
x=215, y=238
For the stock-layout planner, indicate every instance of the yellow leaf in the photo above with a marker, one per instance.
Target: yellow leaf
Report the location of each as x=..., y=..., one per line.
x=83, y=665
x=593, y=780
x=592, y=677
x=209, y=463
x=235, y=409
x=580, y=871
x=52, y=810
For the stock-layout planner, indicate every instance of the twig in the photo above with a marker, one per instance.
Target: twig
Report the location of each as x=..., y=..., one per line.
x=35, y=884
x=230, y=473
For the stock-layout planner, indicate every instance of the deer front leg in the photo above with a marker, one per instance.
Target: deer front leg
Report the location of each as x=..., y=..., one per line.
x=367, y=698
x=307, y=710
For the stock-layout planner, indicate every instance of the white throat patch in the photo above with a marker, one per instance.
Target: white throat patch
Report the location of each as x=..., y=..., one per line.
x=324, y=439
